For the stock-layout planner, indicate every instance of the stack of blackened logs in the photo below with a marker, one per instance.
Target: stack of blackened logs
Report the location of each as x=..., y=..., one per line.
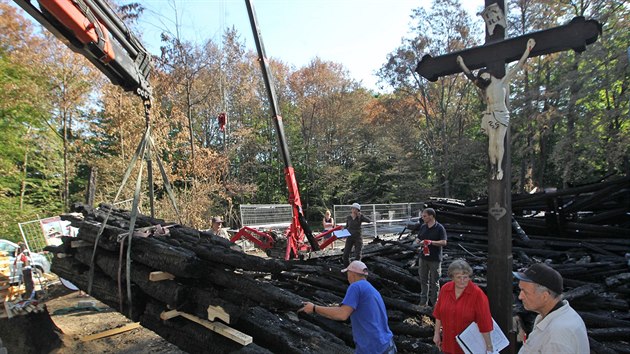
x=261, y=295
x=583, y=232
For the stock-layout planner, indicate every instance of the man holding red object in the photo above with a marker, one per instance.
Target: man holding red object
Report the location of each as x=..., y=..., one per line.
x=431, y=238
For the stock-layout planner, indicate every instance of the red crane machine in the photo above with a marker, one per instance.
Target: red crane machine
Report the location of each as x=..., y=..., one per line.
x=294, y=235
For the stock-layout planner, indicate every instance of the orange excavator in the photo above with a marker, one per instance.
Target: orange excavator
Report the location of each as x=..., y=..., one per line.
x=92, y=29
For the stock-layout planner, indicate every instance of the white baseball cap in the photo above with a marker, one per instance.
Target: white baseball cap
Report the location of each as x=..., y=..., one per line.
x=356, y=267
x=356, y=206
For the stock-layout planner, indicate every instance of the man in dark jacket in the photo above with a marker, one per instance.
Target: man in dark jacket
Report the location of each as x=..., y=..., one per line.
x=353, y=225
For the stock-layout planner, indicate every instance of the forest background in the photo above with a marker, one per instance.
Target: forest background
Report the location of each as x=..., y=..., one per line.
x=61, y=118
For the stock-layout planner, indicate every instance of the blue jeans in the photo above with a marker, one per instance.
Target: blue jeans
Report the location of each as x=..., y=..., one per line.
x=429, y=272
x=392, y=348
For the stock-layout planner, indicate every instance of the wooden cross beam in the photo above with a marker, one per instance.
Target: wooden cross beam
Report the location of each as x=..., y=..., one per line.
x=576, y=35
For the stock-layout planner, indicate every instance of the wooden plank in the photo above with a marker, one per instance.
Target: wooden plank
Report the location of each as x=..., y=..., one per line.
x=159, y=276
x=80, y=243
x=7, y=310
x=218, y=327
x=574, y=35
x=111, y=332
x=215, y=312
x=167, y=315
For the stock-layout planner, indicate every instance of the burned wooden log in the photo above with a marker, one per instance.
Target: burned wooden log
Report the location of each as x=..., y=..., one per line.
x=224, y=255
x=178, y=261
x=167, y=291
x=618, y=280
x=582, y=291
x=600, y=348
x=191, y=337
x=103, y=287
x=283, y=334
x=615, y=333
x=257, y=293
x=601, y=321
x=408, y=344
x=387, y=269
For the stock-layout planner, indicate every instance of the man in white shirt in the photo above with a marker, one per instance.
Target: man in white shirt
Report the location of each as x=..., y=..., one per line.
x=557, y=328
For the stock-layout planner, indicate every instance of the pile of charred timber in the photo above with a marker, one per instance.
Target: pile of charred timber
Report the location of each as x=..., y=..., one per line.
x=204, y=295
x=583, y=232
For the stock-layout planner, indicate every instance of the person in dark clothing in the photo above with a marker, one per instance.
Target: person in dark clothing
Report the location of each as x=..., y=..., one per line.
x=353, y=225
x=27, y=275
x=217, y=228
x=430, y=240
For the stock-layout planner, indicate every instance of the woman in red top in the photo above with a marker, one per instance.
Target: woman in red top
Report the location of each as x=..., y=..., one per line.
x=460, y=303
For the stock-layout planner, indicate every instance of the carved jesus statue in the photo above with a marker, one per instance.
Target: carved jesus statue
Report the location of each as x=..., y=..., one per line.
x=496, y=117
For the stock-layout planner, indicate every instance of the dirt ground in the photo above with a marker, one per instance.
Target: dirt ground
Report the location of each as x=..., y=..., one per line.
x=62, y=305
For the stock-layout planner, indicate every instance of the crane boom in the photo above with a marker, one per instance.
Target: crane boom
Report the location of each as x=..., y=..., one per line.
x=299, y=226
x=92, y=29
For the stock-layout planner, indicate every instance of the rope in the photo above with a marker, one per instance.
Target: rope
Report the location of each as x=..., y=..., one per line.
x=167, y=184
x=120, y=263
x=143, y=151
x=467, y=251
x=132, y=225
x=132, y=163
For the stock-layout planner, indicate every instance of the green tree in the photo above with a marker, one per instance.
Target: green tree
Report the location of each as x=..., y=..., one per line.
x=29, y=155
x=447, y=110
x=569, y=113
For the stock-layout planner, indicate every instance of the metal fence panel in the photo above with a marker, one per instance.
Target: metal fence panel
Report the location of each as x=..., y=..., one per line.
x=266, y=216
x=386, y=218
x=275, y=217
x=33, y=235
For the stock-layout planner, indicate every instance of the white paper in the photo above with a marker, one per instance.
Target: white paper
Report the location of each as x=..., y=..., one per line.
x=471, y=341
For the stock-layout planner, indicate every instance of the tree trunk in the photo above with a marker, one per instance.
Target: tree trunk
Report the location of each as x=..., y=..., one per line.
x=24, y=170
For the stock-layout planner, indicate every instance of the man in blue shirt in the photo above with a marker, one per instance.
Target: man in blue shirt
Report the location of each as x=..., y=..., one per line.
x=366, y=309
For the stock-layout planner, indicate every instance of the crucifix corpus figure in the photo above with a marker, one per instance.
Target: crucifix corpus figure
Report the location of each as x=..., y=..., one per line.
x=496, y=117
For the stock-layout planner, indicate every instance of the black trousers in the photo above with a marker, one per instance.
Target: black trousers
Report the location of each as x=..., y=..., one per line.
x=27, y=278
x=356, y=242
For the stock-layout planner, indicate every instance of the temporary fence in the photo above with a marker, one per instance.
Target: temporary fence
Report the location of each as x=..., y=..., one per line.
x=386, y=218
x=266, y=216
x=37, y=234
x=40, y=233
x=275, y=217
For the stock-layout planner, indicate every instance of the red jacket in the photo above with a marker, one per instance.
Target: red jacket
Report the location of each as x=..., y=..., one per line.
x=22, y=258
x=457, y=314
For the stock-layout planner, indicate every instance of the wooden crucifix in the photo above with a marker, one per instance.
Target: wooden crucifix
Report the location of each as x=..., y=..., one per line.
x=492, y=57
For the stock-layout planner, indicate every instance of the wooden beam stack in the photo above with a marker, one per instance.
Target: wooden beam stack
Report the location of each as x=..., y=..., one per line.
x=205, y=296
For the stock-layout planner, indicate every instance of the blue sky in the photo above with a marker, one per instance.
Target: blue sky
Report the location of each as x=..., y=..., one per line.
x=356, y=33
